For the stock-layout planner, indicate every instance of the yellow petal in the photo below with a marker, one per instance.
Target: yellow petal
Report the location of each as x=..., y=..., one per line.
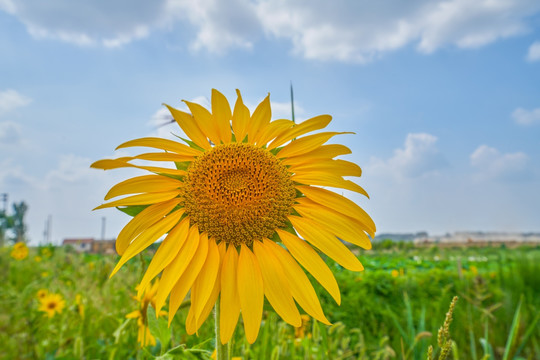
x=326, y=242
x=306, y=144
x=134, y=315
x=163, y=144
x=299, y=284
x=176, y=268
x=336, y=167
x=343, y=226
x=108, y=164
x=312, y=262
x=142, y=199
x=325, y=152
x=143, y=184
x=190, y=127
x=164, y=156
x=221, y=111
x=148, y=237
x=272, y=130
x=276, y=286
x=143, y=220
x=250, y=292
x=338, y=203
x=213, y=296
x=204, y=121
x=259, y=120
x=328, y=179
x=229, y=301
x=165, y=254
x=240, y=118
x=316, y=123
x=184, y=283
x=204, y=284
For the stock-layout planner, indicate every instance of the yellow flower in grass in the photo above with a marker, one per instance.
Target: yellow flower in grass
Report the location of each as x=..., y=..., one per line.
x=42, y=293
x=244, y=209
x=300, y=331
x=394, y=273
x=147, y=297
x=46, y=252
x=52, y=304
x=37, y=258
x=80, y=305
x=20, y=251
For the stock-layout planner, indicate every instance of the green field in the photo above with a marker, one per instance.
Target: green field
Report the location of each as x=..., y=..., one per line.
x=392, y=310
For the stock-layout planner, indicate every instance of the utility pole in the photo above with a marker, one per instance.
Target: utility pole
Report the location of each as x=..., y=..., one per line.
x=48, y=230
x=4, y=220
x=103, y=222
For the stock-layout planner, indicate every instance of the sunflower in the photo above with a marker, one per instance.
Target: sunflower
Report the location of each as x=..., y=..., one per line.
x=243, y=210
x=80, y=305
x=42, y=294
x=51, y=304
x=20, y=251
x=144, y=337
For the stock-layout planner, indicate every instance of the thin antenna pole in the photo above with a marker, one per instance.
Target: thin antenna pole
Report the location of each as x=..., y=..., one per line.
x=103, y=220
x=49, y=229
x=292, y=103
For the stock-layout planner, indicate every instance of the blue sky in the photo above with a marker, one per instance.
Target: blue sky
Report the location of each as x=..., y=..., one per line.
x=443, y=97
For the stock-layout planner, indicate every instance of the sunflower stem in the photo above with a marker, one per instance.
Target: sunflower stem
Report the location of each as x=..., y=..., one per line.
x=222, y=351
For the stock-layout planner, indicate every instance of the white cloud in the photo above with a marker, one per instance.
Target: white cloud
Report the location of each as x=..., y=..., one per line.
x=282, y=110
x=11, y=100
x=341, y=30
x=526, y=117
x=534, y=52
x=363, y=30
x=490, y=163
x=419, y=156
x=221, y=25
x=109, y=23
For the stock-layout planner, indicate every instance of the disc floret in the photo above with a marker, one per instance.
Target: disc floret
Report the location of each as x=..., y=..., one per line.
x=238, y=193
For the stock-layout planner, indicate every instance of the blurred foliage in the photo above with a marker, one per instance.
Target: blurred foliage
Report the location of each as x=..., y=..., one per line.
x=392, y=310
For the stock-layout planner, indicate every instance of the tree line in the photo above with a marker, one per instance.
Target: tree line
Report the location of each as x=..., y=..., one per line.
x=12, y=226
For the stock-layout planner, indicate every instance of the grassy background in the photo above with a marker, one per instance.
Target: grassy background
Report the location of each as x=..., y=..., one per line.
x=392, y=310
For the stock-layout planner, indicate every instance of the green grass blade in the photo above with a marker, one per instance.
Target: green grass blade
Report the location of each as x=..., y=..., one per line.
x=528, y=333
x=513, y=331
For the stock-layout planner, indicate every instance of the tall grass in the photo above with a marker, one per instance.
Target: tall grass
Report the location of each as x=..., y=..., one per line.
x=392, y=310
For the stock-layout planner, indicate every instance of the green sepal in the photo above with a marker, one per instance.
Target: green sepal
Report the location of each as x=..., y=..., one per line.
x=132, y=210
x=190, y=143
x=183, y=165
x=275, y=151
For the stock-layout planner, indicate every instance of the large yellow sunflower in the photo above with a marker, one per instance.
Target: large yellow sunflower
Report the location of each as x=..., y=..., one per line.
x=243, y=211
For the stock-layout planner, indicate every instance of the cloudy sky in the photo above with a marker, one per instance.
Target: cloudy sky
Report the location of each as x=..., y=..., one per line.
x=443, y=96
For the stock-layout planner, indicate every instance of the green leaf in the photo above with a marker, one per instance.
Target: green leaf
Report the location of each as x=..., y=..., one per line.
x=158, y=328
x=120, y=330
